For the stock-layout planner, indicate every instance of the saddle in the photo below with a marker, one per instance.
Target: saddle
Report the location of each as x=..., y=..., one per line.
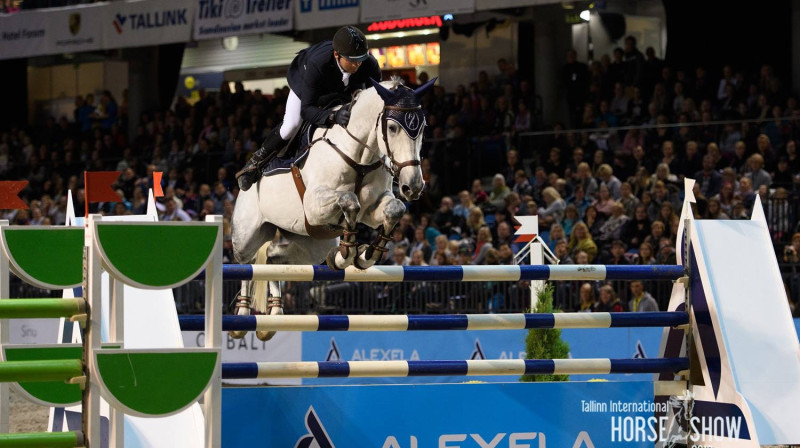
x=295, y=153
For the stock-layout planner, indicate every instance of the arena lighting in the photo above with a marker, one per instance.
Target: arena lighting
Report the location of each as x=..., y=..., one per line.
x=585, y=15
x=401, y=24
x=399, y=34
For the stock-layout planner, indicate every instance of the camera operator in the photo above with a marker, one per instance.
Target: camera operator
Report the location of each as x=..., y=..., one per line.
x=790, y=252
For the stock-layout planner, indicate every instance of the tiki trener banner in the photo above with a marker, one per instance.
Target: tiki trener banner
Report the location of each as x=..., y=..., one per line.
x=220, y=18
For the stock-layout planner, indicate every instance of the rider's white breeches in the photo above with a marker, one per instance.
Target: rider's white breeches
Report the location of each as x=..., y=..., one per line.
x=291, y=118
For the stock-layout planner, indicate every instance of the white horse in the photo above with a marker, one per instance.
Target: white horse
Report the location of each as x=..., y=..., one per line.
x=345, y=179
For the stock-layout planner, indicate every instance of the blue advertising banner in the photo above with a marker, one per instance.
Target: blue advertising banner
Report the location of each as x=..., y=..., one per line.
x=461, y=345
x=531, y=415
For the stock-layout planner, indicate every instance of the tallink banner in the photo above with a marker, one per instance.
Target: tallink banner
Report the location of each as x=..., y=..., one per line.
x=530, y=415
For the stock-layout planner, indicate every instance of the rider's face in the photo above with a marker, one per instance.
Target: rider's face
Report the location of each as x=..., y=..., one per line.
x=347, y=65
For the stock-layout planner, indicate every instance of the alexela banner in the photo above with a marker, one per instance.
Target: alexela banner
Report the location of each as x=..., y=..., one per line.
x=220, y=18
x=139, y=23
x=375, y=10
x=310, y=14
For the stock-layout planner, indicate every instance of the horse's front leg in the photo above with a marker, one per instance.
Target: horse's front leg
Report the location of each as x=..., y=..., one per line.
x=342, y=256
x=274, y=307
x=243, y=302
x=323, y=206
x=388, y=212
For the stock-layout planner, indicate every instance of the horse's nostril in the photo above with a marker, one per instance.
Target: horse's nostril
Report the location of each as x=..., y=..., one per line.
x=406, y=190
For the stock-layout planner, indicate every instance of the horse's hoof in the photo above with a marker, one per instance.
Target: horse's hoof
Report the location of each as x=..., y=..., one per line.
x=330, y=260
x=360, y=261
x=265, y=335
x=237, y=334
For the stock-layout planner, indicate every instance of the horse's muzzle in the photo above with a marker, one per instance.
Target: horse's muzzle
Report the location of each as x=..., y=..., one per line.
x=411, y=193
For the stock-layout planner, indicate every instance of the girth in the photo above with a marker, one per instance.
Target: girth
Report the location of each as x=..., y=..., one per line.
x=328, y=231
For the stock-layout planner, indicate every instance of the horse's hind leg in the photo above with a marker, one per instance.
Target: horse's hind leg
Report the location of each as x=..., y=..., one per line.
x=388, y=212
x=249, y=234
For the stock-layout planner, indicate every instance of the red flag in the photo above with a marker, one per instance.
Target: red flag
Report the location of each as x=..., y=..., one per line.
x=157, y=191
x=9, y=194
x=98, y=186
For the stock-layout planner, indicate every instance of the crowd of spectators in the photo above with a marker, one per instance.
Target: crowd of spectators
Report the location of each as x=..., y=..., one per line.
x=603, y=195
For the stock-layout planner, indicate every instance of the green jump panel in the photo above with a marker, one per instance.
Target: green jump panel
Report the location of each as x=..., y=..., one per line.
x=151, y=382
x=49, y=393
x=49, y=257
x=42, y=370
x=156, y=256
x=41, y=308
x=42, y=440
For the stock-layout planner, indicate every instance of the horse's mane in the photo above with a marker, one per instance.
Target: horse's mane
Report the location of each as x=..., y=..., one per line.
x=396, y=81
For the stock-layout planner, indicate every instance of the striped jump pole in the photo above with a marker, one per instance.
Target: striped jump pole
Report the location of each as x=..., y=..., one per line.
x=423, y=322
x=450, y=273
x=376, y=369
x=41, y=308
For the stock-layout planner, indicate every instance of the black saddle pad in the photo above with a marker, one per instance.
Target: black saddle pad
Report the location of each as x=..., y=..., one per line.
x=295, y=153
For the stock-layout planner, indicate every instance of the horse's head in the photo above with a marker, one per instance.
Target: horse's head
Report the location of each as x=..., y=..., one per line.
x=401, y=126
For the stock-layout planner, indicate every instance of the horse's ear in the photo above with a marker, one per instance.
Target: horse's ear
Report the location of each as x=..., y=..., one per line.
x=421, y=90
x=385, y=93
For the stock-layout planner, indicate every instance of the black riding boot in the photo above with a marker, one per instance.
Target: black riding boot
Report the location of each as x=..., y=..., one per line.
x=252, y=170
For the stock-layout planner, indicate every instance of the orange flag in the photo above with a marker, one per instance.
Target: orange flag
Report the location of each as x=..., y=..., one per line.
x=98, y=186
x=157, y=191
x=9, y=194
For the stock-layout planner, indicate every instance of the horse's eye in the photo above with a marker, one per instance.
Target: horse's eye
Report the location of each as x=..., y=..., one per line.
x=393, y=128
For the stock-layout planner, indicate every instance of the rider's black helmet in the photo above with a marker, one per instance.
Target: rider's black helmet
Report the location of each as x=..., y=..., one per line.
x=351, y=44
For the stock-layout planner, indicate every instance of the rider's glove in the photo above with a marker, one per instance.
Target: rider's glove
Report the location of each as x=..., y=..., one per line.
x=342, y=117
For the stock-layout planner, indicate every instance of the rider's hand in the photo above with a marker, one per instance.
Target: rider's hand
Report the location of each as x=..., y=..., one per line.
x=342, y=117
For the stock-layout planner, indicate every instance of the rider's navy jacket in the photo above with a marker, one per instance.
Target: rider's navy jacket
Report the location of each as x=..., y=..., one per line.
x=314, y=76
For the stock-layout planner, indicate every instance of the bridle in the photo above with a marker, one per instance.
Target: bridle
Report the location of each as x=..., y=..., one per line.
x=388, y=160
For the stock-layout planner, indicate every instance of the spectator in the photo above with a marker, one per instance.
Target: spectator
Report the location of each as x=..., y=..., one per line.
x=474, y=223
x=571, y=217
x=400, y=258
x=606, y=175
x=465, y=205
x=609, y=302
x=575, y=79
x=420, y=243
x=581, y=240
x=554, y=210
x=522, y=186
x=641, y=300
x=758, y=175
x=499, y=191
x=445, y=218
x=482, y=245
x=612, y=228
x=616, y=255
x=645, y=255
x=588, y=301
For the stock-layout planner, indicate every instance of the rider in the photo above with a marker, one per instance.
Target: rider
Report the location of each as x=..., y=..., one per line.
x=318, y=74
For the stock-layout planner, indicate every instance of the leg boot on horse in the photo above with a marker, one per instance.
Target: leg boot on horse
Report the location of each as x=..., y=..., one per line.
x=251, y=172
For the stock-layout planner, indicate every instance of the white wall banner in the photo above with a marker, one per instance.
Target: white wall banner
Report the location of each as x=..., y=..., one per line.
x=285, y=346
x=148, y=22
x=374, y=10
x=219, y=18
x=23, y=34
x=78, y=28
x=310, y=14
